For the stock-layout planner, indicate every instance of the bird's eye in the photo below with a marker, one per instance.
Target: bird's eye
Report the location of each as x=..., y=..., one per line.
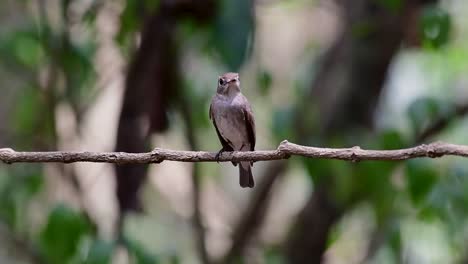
x=221, y=82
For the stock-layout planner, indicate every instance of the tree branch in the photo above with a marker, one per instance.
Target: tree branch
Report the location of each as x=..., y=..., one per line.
x=284, y=151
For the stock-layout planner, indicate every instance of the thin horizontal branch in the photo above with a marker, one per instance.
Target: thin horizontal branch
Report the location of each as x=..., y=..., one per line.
x=284, y=151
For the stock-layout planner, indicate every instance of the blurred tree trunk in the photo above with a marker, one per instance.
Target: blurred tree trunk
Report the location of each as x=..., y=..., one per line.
x=150, y=87
x=149, y=83
x=345, y=94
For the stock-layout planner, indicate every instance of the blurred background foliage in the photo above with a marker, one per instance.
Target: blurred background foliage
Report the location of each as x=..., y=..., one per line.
x=131, y=75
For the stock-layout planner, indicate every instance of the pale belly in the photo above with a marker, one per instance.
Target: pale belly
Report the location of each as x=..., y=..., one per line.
x=231, y=126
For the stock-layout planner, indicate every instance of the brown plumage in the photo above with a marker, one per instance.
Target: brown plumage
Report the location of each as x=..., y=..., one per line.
x=233, y=120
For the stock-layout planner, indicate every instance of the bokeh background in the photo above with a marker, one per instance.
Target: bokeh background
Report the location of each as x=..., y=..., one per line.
x=132, y=75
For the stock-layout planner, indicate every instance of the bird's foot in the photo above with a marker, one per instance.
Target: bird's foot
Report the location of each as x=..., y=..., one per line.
x=219, y=154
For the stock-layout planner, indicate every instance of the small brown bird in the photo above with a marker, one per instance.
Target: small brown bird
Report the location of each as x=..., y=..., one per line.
x=234, y=122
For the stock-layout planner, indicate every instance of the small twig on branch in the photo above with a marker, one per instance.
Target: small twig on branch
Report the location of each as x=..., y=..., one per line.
x=284, y=151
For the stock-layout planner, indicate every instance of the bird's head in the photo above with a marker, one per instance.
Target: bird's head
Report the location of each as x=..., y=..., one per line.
x=228, y=83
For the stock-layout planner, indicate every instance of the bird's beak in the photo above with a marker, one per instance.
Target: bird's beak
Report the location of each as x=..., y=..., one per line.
x=232, y=80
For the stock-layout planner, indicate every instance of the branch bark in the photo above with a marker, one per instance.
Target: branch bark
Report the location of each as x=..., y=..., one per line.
x=284, y=151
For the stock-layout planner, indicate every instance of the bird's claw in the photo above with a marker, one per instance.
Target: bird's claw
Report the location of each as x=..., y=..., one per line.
x=218, y=154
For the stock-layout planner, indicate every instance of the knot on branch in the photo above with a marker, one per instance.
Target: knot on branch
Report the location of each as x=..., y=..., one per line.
x=432, y=150
x=112, y=157
x=283, y=149
x=6, y=150
x=156, y=156
x=67, y=159
x=354, y=156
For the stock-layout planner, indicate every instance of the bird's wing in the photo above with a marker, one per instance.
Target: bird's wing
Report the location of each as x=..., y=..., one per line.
x=250, y=125
x=224, y=143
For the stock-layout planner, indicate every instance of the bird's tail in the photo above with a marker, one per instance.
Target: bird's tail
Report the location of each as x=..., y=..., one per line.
x=245, y=175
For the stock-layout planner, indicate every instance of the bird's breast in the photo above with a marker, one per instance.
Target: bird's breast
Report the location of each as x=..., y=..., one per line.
x=230, y=121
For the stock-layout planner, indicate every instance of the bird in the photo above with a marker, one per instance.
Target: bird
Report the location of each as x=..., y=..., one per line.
x=233, y=119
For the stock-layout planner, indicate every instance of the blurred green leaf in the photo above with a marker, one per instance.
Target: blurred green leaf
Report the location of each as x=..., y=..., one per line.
x=174, y=259
x=424, y=111
x=395, y=238
x=435, y=26
x=282, y=124
x=33, y=183
x=272, y=255
x=449, y=197
x=60, y=238
x=91, y=13
x=392, y=5
x=28, y=180
x=317, y=168
x=28, y=50
x=264, y=80
x=421, y=111
x=18, y=190
x=333, y=236
x=76, y=62
x=24, y=47
x=9, y=209
x=132, y=18
x=391, y=139
x=371, y=180
x=130, y=21
x=151, y=5
x=139, y=255
x=196, y=97
x=374, y=175
x=421, y=176
x=100, y=252
x=361, y=30
x=233, y=32
x=27, y=110
x=336, y=171
x=31, y=120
